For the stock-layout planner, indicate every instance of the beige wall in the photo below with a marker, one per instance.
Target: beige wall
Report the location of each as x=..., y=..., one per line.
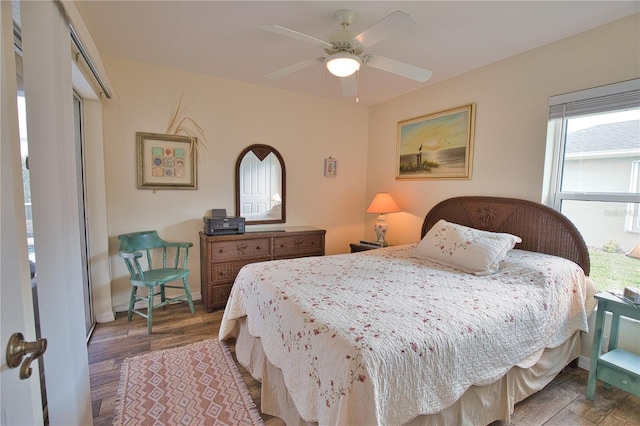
x=233, y=115
x=512, y=99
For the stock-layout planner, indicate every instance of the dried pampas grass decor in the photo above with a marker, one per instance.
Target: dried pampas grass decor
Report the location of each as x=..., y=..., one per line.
x=180, y=124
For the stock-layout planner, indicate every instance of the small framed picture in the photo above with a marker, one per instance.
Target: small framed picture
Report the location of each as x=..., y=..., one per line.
x=330, y=167
x=166, y=161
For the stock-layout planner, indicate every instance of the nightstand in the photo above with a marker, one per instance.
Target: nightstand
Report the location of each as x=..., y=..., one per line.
x=617, y=367
x=361, y=247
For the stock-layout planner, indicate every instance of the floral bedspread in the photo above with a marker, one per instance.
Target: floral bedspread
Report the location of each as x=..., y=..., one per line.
x=380, y=337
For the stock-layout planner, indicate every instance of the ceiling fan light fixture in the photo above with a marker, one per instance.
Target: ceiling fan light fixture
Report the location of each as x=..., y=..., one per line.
x=343, y=64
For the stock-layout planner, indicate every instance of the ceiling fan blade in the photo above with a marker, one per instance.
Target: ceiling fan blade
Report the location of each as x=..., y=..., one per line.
x=386, y=27
x=293, y=68
x=349, y=85
x=295, y=34
x=401, y=68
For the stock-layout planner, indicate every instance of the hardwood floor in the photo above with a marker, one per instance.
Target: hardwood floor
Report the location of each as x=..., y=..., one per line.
x=562, y=402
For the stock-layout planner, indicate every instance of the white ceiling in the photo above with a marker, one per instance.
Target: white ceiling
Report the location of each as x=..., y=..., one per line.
x=223, y=38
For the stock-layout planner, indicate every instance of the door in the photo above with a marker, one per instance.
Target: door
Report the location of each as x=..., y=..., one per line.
x=48, y=87
x=82, y=214
x=255, y=183
x=16, y=304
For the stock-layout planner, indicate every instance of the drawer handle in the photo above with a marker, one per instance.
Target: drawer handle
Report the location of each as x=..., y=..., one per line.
x=222, y=273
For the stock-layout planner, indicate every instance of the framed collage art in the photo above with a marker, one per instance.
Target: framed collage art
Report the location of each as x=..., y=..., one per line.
x=166, y=161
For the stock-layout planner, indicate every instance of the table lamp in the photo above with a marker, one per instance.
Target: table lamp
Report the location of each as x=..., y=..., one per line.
x=276, y=199
x=382, y=203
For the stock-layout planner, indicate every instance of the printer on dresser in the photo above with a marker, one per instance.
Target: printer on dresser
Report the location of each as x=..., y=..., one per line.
x=222, y=256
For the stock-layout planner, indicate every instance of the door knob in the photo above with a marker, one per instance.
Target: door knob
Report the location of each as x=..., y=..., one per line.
x=17, y=348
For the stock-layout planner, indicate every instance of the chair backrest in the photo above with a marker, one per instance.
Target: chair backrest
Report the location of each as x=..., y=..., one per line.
x=137, y=241
x=133, y=245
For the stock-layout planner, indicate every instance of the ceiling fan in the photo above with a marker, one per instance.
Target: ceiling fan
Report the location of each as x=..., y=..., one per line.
x=345, y=50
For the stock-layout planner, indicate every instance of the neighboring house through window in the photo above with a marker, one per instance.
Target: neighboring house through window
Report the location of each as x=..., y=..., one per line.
x=593, y=175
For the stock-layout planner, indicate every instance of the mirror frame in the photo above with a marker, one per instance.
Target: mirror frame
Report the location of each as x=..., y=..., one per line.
x=262, y=151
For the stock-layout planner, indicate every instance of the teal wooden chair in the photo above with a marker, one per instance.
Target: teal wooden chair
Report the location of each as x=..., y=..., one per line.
x=140, y=250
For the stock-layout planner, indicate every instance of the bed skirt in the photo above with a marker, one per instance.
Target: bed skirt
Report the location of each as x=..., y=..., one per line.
x=479, y=405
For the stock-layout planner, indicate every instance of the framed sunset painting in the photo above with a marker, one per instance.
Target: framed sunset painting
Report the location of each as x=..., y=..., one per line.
x=436, y=146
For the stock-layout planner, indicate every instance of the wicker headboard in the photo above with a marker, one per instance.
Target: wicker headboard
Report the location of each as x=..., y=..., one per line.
x=541, y=228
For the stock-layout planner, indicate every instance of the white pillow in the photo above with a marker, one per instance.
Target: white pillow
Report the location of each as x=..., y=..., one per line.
x=471, y=250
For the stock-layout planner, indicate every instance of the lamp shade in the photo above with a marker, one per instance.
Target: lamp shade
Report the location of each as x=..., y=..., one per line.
x=343, y=64
x=635, y=252
x=383, y=203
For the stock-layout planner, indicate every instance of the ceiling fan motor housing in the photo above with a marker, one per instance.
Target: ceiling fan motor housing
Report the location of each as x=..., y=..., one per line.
x=343, y=40
x=345, y=17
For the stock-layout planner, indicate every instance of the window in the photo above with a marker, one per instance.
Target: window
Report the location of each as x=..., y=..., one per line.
x=594, y=175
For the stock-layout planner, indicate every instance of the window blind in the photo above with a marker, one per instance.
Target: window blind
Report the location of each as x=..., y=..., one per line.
x=612, y=97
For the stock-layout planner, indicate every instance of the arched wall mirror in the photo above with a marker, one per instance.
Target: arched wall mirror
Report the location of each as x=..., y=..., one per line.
x=260, y=185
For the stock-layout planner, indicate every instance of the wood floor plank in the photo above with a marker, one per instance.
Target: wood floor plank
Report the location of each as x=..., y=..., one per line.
x=98, y=367
x=562, y=402
x=107, y=406
x=542, y=406
x=106, y=377
x=567, y=417
x=605, y=401
x=628, y=409
x=104, y=390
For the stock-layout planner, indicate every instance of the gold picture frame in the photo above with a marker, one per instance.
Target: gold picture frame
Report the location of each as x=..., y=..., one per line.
x=436, y=146
x=166, y=161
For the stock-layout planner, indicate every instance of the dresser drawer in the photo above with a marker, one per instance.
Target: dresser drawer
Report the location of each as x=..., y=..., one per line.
x=617, y=378
x=220, y=295
x=222, y=256
x=221, y=250
x=620, y=369
x=227, y=271
x=298, y=245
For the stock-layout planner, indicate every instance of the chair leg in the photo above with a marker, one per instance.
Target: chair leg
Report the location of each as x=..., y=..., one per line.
x=150, y=296
x=163, y=296
x=132, y=302
x=187, y=290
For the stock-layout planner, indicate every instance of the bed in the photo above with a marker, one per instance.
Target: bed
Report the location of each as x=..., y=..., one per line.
x=486, y=309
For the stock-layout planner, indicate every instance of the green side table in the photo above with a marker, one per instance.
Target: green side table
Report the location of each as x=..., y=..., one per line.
x=617, y=367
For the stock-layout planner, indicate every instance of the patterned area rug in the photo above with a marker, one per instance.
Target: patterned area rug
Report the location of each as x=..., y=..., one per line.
x=196, y=384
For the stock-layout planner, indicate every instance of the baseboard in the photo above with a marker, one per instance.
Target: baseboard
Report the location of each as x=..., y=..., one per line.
x=106, y=317
x=584, y=362
x=142, y=304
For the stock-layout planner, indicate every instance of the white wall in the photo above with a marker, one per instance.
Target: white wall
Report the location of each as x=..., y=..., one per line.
x=233, y=115
x=512, y=99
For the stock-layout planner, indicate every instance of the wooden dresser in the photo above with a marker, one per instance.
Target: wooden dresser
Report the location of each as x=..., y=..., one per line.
x=222, y=256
